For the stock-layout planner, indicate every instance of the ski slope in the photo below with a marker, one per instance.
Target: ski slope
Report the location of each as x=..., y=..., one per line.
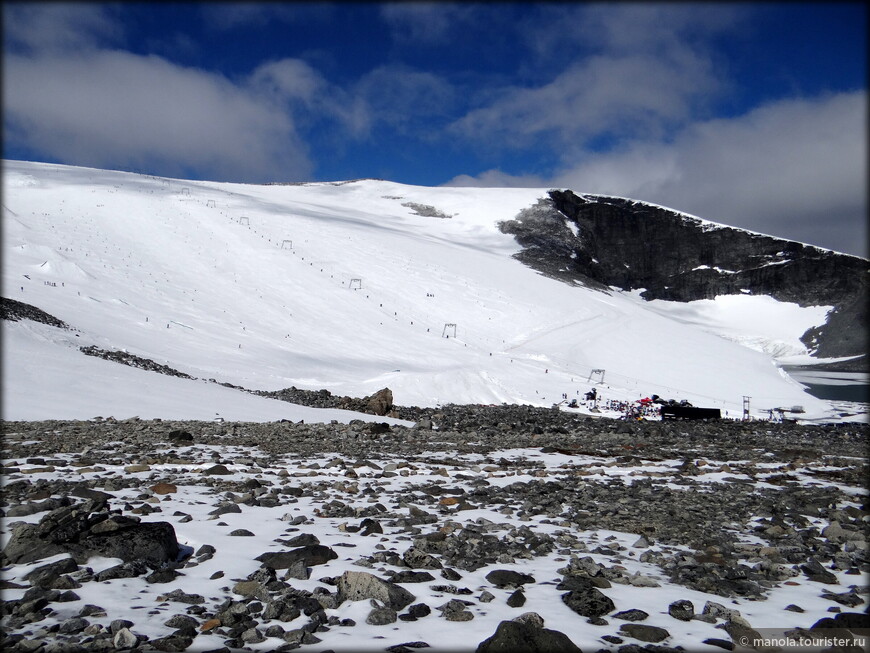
x=342, y=286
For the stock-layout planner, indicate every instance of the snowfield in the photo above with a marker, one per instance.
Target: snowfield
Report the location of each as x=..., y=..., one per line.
x=347, y=286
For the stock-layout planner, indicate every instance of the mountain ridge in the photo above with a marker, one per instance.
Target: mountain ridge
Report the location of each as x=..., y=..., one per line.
x=630, y=244
x=351, y=288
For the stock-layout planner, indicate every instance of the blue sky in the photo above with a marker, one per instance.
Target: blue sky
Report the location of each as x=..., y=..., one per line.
x=754, y=115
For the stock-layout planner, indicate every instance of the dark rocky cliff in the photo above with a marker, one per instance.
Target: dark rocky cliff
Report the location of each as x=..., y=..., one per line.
x=603, y=242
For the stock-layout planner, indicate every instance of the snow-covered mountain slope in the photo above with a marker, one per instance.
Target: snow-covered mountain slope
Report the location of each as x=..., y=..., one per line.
x=348, y=286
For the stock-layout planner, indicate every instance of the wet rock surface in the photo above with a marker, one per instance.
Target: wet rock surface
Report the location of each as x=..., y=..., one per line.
x=244, y=535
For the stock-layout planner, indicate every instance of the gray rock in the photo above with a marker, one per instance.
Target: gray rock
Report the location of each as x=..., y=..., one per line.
x=515, y=636
x=359, y=585
x=455, y=610
x=370, y=526
x=588, y=603
x=412, y=577
x=531, y=619
x=380, y=402
x=315, y=554
x=304, y=539
x=180, y=596
x=407, y=647
x=815, y=571
x=252, y=636
x=631, y=615
x=205, y=549
x=381, y=616
x=450, y=574
x=641, y=543
x=508, y=578
x=71, y=530
x=683, y=610
x=225, y=510
x=45, y=575
x=419, y=610
x=719, y=611
x=73, y=625
x=124, y=570
x=172, y=643
x=251, y=589
x=181, y=621
x=90, y=610
x=517, y=599
x=298, y=570
x=180, y=436
x=644, y=633
x=850, y=599
x=274, y=631
x=118, y=624
x=166, y=575
x=417, y=559
x=721, y=643
x=123, y=638
x=281, y=610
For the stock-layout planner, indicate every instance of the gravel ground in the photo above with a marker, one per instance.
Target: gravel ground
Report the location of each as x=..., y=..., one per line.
x=734, y=513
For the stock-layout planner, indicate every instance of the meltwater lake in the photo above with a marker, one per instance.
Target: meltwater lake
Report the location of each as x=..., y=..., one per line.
x=834, y=386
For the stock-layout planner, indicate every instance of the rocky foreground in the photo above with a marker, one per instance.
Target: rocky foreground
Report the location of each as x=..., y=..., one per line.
x=479, y=529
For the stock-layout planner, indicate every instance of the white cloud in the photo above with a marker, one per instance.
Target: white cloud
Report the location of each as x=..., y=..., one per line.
x=106, y=108
x=625, y=28
x=656, y=27
x=403, y=97
x=58, y=26
x=226, y=16
x=604, y=73
x=618, y=95
x=426, y=22
x=288, y=79
x=498, y=179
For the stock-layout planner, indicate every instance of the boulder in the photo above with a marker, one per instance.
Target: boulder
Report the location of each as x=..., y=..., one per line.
x=513, y=636
x=380, y=403
x=180, y=436
x=381, y=616
x=683, y=610
x=315, y=554
x=590, y=602
x=217, y=470
x=417, y=559
x=814, y=570
x=631, y=615
x=643, y=632
x=84, y=530
x=358, y=585
x=517, y=599
x=412, y=577
x=124, y=638
x=46, y=575
x=508, y=578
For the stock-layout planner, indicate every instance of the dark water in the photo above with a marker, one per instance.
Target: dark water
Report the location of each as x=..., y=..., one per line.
x=833, y=385
x=853, y=392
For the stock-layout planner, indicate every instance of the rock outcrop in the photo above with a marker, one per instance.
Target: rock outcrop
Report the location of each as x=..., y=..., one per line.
x=88, y=529
x=603, y=242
